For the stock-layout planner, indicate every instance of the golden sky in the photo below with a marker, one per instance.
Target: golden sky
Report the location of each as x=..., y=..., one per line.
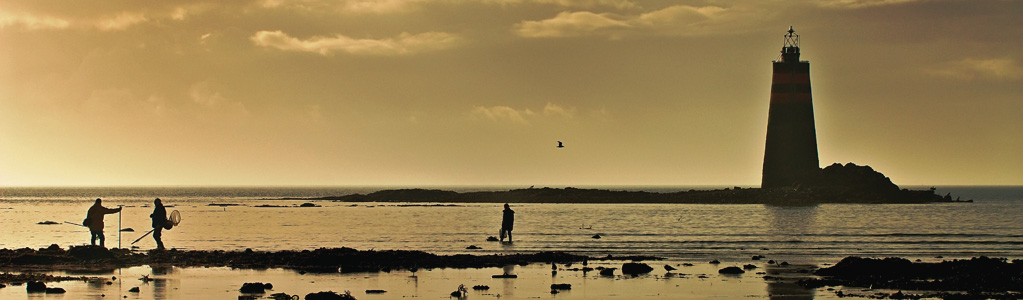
x=478, y=92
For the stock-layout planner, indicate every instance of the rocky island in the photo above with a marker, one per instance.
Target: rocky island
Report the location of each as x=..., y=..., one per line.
x=836, y=183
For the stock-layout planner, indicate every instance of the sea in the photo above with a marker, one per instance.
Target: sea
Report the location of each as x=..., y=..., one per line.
x=239, y=218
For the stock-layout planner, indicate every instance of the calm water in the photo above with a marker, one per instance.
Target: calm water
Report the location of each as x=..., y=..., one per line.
x=991, y=226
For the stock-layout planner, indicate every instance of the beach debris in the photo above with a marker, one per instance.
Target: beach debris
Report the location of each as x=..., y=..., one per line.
x=281, y=296
x=134, y=289
x=561, y=286
x=608, y=272
x=329, y=295
x=636, y=268
x=47, y=223
x=481, y=287
x=129, y=229
x=749, y=267
x=460, y=292
x=473, y=247
x=714, y=262
x=669, y=268
x=492, y=239
x=375, y=291
x=505, y=276
x=731, y=270
x=255, y=287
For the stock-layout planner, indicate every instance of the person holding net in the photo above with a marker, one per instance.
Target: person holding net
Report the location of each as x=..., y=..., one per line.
x=159, y=217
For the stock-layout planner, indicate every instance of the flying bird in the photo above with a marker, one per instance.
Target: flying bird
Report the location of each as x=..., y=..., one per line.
x=560, y=145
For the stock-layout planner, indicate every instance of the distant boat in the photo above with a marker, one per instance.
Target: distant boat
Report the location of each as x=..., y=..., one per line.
x=560, y=145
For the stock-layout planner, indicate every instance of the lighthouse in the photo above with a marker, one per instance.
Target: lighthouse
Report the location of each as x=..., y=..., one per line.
x=790, y=157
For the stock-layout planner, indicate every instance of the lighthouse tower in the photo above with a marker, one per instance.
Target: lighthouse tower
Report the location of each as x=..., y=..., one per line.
x=790, y=157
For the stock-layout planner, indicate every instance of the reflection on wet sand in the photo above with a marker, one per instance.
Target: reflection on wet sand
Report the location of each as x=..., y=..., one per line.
x=782, y=285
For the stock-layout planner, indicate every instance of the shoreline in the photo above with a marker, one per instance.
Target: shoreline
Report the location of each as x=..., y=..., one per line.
x=980, y=275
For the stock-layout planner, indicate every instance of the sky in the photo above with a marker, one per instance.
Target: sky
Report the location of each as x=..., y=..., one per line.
x=478, y=92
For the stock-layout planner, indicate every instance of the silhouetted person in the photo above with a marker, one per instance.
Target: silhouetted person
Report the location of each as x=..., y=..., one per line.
x=159, y=217
x=507, y=223
x=95, y=220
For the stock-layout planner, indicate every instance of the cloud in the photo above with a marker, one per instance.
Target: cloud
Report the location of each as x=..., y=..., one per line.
x=552, y=109
x=861, y=3
x=31, y=22
x=972, y=68
x=398, y=6
x=570, y=24
x=524, y=116
x=503, y=114
x=206, y=97
x=403, y=44
x=678, y=19
x=121, y=21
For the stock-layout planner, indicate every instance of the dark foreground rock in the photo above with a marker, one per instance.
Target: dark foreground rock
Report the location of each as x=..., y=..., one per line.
x=981, y=274
x=319, y=260
x=636, y=268
x=329, y=295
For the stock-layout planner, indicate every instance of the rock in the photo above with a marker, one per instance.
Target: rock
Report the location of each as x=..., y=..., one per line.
x=280, y=296
x=255, y=287
x=669, y=268
x=561, y=286
x=505, y=276
x=749, y=267
x=492, y=239
x=307, y=204
x=687, y=265
x=473, y=247
x=134, y=289
x=129, y=229
x=47, y=223
x=481, y=287
x=714, y=262
x=636, y=268
x=596, y=236
x=608, y=272
x=757, y=257
x=329, y=295
x=375, y=291
x=90, y=253
x=55, y=290
x=731, y=270
x=35, y=287
x=246, y=297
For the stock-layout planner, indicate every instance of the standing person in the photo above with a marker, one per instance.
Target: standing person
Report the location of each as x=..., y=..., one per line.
x=159, y=220
x=95, y=221
x=507, y=223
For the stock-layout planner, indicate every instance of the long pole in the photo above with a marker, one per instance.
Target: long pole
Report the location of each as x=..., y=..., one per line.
x=119, y=226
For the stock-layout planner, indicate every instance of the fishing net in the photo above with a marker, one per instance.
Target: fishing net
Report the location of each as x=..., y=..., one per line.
x=175, y=218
